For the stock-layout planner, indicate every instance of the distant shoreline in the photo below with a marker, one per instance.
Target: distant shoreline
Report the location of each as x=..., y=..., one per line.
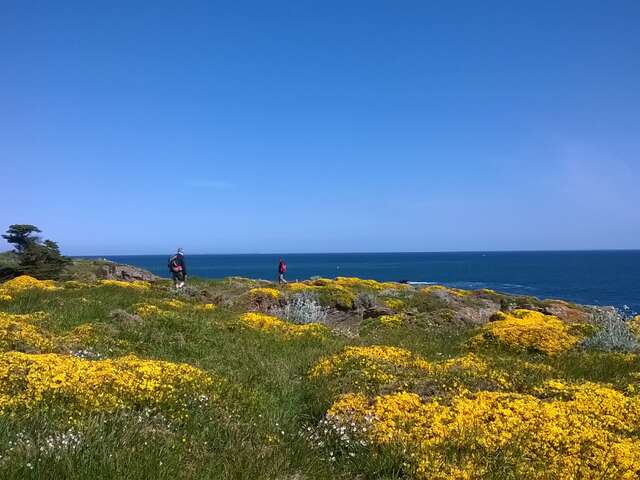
x=589, y=277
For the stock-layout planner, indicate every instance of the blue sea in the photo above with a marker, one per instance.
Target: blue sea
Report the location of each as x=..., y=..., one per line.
x=587, y=277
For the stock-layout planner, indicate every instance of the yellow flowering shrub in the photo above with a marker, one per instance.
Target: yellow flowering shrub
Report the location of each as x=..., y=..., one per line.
x=81, y=334
x=370, y=367
x=371, y=364
x=368, y=284
x=298, y=287
x=166, y=307
x=135, y=285
x=469, y=371
x=456, y=292
x=265, y=292
x=390, y=321
x=395, y=303
x=149, y=310
x=92, y=339
x=17, y=332
x=25, y=282
x=5, y=298
x=174, y=304
x=592, y=434
x=267, y=323
x=487, y=291
x=29, y=381
x=336, y=296
x=527, y=330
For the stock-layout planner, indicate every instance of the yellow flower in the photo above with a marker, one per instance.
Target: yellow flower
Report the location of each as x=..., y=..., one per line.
x=25, y=282
x=527, y=330
x=267, y=323
x=390, y=321
x=29, y=381
x=84, y=332
x=368, y=284
x=372, y=367
x=594, y=430
x=456, y=292
x=135, y=285
x=149, y=310
x=394, y=303
x=298, y=287
x=265, y=292
x=174, y=304
x=17, y=332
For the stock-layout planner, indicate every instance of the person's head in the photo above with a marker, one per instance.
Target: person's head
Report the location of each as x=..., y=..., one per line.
x=180, y=251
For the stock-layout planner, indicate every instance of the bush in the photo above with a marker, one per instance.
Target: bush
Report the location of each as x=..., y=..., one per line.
x=337, y=296
x=613, y=333
x=366, y=300
x=303, y=308
x=527, y=330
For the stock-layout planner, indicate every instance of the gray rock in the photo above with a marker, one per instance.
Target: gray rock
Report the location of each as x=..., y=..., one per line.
x=478, y=314
x=126, y=319
x=118, y=271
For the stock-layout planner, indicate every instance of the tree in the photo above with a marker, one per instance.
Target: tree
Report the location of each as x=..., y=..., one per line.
x=35, y=257
x=21, y=236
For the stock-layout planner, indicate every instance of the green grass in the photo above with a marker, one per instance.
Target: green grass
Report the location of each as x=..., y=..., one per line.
x=257, y=429
x=268, y=395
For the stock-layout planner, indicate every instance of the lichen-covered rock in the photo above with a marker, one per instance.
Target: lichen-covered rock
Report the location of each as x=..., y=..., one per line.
x=126, y=319
x=567, y=312
x=117, y=271
x=477, y=314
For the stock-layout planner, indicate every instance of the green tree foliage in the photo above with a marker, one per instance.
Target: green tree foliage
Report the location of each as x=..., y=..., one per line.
x=40, y=259
x=22, y=236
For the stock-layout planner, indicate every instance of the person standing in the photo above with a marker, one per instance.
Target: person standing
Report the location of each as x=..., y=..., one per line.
x=282, y=269
x=178, y=269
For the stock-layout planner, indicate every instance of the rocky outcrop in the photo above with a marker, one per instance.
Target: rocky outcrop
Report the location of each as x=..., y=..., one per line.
x=118, y=271
x=478, y=314
x=126, y=319
x=566, y=311
x=90, y=270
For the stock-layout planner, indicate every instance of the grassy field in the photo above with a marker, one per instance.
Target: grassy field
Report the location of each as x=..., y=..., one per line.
x=135, y=381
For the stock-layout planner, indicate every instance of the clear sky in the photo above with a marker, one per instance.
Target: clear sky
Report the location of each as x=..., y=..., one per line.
x=324, y=126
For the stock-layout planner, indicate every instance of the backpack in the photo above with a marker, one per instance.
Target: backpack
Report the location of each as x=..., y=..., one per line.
x=173, y=264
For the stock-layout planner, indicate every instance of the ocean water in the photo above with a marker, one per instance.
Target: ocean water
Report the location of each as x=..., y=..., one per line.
x=587, y=277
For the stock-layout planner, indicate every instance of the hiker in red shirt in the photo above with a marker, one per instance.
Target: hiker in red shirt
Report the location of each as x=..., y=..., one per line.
x=282, y=269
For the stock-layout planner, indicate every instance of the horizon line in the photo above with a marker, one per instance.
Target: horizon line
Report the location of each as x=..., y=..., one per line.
x=369, y=252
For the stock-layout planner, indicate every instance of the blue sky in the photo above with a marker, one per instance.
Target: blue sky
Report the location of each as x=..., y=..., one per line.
x=233, y=127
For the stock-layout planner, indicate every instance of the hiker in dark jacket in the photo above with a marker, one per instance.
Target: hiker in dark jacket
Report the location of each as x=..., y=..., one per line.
x=178, y=269
x=282, y=269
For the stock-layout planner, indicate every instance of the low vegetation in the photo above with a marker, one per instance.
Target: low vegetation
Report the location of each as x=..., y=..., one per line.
x=31, y=255
x=323, y=379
